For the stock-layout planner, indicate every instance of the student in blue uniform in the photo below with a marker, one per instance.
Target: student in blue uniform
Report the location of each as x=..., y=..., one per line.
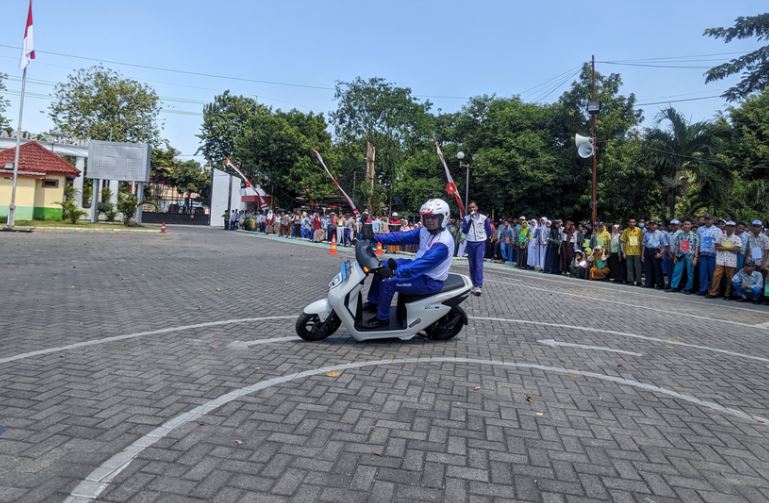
x=477, y=230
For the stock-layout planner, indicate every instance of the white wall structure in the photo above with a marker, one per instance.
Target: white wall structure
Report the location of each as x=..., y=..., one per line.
x=222, y=184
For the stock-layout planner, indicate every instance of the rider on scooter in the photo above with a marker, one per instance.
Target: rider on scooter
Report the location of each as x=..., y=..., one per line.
x=424, y=274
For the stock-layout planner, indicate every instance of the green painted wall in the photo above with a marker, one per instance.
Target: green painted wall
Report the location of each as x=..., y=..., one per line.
x=22, y=212
x=47, y=213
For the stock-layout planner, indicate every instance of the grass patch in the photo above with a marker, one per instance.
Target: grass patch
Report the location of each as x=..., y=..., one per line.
x=60, y=223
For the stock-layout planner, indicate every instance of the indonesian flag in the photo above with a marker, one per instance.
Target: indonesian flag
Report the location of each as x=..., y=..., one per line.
x=451, y=187
x=249, y=190
x=28, y=47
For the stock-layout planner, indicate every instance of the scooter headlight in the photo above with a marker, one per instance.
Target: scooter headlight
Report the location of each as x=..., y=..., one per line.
x=336, y=281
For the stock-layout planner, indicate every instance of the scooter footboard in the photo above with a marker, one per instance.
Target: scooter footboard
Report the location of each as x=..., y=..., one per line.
x=320, y=307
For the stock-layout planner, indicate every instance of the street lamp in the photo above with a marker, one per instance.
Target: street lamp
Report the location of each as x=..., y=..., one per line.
x=466, y=165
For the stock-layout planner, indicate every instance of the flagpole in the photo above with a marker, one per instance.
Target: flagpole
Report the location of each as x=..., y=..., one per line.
x=12, y=206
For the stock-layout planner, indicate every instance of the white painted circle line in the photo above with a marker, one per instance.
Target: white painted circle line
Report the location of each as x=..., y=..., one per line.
x=554, y=343
x=623, y=334
x=94, y=342
x=637, y=306
x=98, y=480
x=624, y=289
x=248, y=344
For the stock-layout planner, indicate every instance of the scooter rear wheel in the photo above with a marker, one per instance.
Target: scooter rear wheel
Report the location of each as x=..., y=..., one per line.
x=448, y=326
x=310, y=328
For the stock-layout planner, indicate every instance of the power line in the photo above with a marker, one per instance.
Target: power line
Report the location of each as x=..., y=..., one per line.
x=678, y=101
x=173, y=70
x=663, y=58
x=650, y=65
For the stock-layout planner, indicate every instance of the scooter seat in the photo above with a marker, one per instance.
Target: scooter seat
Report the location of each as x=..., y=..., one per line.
x=453, y=282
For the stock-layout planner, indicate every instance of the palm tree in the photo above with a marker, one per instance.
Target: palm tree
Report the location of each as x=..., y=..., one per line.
x=680, y=154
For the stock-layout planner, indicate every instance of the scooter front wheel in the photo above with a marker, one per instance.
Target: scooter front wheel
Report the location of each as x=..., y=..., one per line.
x=310, y=328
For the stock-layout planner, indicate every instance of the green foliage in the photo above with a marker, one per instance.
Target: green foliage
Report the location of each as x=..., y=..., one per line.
x=98, y=103
x=275, y=151
x=4, y=123
x=105, y=204
x=753, y=66
x=71, y=212
x=127, y=203
x=224, y=121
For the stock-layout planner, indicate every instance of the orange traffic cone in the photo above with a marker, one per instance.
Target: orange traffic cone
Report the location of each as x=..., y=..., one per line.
x=379, y=250
x=332, y=250
x=163, y=229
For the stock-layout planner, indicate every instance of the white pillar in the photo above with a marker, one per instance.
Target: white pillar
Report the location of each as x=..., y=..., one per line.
x=139, y=197
x=114, y=186
x=79, y=181
x=95, y=201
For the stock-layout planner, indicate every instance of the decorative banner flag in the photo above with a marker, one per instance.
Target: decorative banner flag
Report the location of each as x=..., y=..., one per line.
x=250, y=191
x=344, y=194
x=28, y=47
x=451, y=187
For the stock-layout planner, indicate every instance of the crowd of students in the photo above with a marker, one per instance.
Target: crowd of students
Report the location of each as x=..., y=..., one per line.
x=709, y=257
x=704, y=256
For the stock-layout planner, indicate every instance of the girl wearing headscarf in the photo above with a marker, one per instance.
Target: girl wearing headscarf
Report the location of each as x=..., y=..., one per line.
x=616, y=260
x=532, y=260
x=552, y=263
x=567, y=246
x=542, y=240
x=523, y=244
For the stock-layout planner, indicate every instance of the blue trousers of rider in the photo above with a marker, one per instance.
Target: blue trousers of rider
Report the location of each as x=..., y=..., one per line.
x=382, y=291
x=475, y=252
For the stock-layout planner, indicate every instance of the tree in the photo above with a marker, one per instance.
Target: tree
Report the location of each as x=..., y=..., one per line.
x=615, y=125
x=4, y=123
x=682, y=156
x=99, y=104
x=275, y=151
x=753, y=66
x=750, y=145
x=387, y=116
x=224, y=121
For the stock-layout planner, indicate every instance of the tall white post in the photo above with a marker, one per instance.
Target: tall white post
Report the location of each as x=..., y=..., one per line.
x=12, y=206
x=79, y=181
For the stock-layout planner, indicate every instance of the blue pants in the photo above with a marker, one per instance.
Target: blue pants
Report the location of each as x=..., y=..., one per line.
x=506, y=250
x=382, y=291
x=740, y=261
x=683, y=262
x=667, y=267
x=707, y=268
x=475, y=252
x=752, y=293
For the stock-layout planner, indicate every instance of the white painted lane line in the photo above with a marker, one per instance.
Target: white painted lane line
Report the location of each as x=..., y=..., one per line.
x=624, y=334
x=98, y=480
x=637, y=306
x=763, y=325
x=247, y=344
x=553, y=343
x=105, y=340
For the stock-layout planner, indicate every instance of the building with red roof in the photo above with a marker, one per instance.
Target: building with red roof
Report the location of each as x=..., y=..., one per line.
x=40, y=182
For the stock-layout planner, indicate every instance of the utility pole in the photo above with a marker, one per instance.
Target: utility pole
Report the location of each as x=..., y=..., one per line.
x=370, y=172
x=594, y=198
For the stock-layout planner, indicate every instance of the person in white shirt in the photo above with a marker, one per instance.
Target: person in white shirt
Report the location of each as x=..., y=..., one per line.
x=748, y=283
x=728, y=246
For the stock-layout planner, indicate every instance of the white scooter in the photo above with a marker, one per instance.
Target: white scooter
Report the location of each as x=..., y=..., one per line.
x=438, y=315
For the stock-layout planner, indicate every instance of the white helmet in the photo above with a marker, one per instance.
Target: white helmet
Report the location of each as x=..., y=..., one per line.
x=436, y=207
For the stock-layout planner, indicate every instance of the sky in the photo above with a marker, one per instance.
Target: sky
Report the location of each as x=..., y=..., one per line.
x=290, y=53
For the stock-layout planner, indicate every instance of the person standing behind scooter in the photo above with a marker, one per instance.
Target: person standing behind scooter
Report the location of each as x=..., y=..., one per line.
x=477, y=229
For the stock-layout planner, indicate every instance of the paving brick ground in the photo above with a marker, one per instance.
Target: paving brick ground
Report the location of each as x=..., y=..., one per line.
x=440, y=431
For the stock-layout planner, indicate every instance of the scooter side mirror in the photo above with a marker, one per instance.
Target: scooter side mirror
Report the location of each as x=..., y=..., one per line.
x=365, y=256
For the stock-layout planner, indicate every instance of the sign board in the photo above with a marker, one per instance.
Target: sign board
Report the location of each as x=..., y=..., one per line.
x=109, y=160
